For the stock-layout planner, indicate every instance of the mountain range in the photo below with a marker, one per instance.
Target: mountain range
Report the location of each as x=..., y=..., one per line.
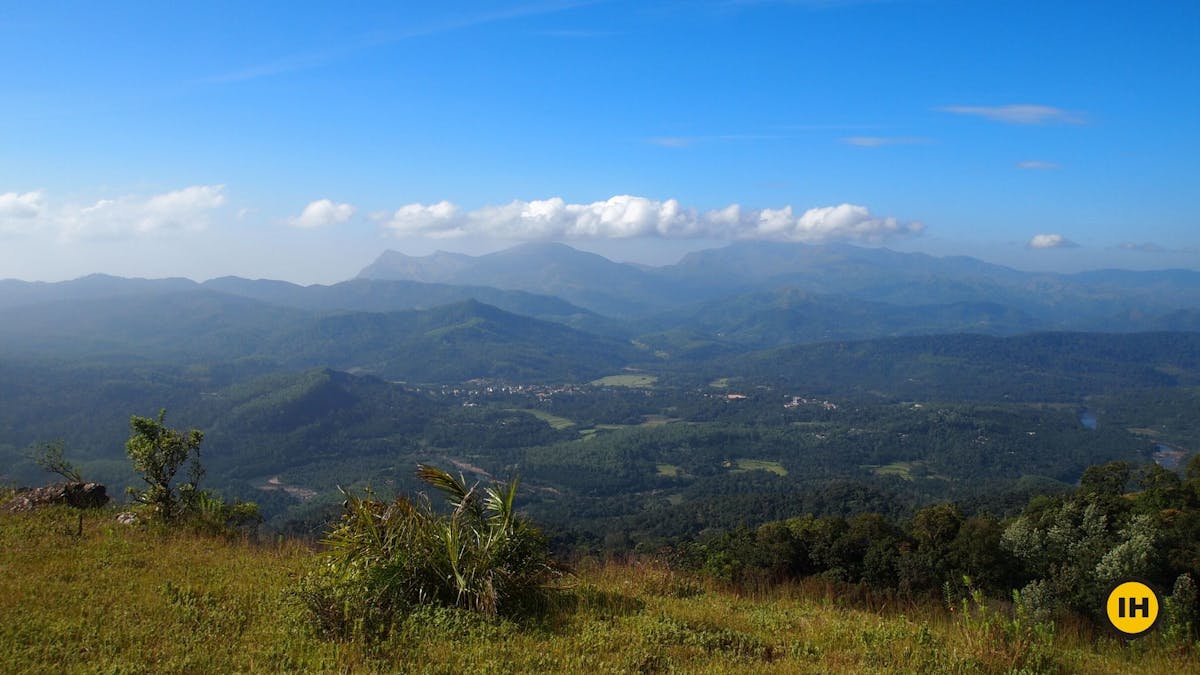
x=844, y=272
x=736, y=378
x=548, y=312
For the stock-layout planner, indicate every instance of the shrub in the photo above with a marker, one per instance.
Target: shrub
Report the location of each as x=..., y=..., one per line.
x=385, y=558
x=212, y=515
x=158, y=452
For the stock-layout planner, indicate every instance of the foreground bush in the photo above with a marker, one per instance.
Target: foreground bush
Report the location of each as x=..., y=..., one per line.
x=386, y=559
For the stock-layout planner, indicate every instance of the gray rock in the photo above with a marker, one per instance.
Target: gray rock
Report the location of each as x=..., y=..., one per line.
x=77, y=494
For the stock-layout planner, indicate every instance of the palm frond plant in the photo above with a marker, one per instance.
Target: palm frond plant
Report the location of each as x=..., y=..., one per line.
x=385, y=558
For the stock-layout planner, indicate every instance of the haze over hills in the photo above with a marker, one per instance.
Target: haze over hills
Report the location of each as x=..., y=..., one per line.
x=586, y=279
x=749, y=295
x=743, y=379
x=453, y=342
x=1103, y=299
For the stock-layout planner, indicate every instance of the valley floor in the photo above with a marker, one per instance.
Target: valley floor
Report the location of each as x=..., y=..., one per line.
x=91, y=595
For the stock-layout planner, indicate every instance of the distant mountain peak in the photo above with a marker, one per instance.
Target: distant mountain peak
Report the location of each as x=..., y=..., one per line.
x=438, y=267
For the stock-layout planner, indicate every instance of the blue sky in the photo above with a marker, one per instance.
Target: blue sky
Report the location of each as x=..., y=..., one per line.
x=297, y=140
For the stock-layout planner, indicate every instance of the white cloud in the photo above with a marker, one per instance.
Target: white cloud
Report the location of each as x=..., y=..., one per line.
x=188, y=210
x=1019, y=113
x=1040, y=241
x=321, y=213
x=626, y=216
x=1036, y=165
x=21, y=213
x=880, y=141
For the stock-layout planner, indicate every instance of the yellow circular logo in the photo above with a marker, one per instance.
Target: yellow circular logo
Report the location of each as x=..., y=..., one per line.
x=1132, y=608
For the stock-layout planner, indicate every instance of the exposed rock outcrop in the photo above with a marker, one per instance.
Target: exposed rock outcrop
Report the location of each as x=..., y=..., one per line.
x=78, y=494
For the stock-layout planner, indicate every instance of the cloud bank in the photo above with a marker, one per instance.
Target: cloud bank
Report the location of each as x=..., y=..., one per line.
x=322, y=213
x=188, y=209
x=1043, y=241
x=627, y=216
x=1018, y=113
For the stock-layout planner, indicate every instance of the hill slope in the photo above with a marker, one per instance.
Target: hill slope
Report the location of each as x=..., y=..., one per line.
x=116, y=598
x=444, y=344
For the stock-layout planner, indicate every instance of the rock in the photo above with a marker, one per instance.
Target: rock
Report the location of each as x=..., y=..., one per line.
x=127, y=518
x=77, y=494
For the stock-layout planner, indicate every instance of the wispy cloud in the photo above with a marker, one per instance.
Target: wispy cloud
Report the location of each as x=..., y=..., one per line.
x=1017, y=113
x=1144, y=247
x=880, y=141
x=576, y=33
x=1038, y=165
x=627, y=216
x=672, y=141
x=687, y=141
x=315, y=59
x=322, y=213
x=826, y=127
x=808, y=4
x=281, y=66
x=188, y=209
x=1045, y=241
x=21, y=212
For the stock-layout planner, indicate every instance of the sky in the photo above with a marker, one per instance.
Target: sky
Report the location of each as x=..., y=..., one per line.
x=298, y=141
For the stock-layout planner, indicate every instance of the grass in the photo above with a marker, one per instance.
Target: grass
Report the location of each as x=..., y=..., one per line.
x=899, y=469
x=647, y=421
x=131, y=600
x=556, y=422
x=669, y=470
x=759, y=465
x=636, y=381
x=903, y=470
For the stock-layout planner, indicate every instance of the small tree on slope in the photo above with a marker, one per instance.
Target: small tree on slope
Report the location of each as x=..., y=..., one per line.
x=158, y=452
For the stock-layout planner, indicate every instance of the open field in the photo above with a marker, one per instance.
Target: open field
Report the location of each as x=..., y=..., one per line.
x=899, y=469
x=553, y=420
x=625, y=381
x=127, y=599
x=904, y=470
x=669, y=470
x=760, y=465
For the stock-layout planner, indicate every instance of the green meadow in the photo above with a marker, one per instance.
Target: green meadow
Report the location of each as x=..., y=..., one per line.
x=85, y=594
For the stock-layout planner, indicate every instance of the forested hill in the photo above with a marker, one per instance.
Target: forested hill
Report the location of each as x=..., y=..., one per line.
x=1037, y=367
x=453, y=342
x=364, y=295
x=735, y=387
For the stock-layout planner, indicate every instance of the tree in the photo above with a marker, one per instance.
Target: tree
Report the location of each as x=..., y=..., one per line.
x=158, y=452
x=50, y=457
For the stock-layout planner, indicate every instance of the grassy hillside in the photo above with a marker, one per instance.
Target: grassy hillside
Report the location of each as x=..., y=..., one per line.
x=126, y=599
